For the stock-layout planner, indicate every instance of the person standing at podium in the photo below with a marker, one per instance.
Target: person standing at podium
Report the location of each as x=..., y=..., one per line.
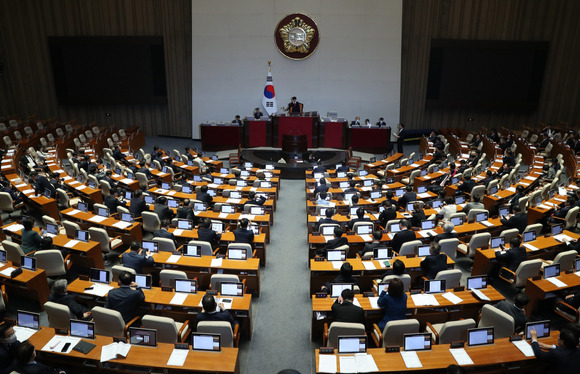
x=237, y=120
x=258, y=113
x=294, y=107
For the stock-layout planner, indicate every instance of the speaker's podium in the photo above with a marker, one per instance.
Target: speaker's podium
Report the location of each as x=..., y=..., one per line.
x=295, y=126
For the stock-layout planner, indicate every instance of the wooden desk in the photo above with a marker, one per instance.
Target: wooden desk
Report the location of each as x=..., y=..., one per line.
x=129, y=234
x=402, y=171
x=225, y=361
x=373, y=167
x=538, y=290
x=220, y=137
x=232, y=219
x=29, y=284
x=44, y=204
x=373, y=140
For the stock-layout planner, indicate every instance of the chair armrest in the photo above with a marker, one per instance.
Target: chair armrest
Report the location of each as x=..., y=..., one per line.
x=180, y=248
x=3, y=294
x=254, y=253
x=131, y=322
x=325, y=335
x=565, y=310
x=559, y=218
x=216, y=251
x=502, y=274
x=236, y=335
x=429, y=328
x=67, y=262
x=377, y=334
x=184, y=327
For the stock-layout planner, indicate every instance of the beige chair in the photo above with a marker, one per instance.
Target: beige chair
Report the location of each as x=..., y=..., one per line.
x=391, y=223
x=229, y=337
x=478, y=191
x=151, y=222
x=565, y=259
x=143, y=181
x=333, y=225
x=59, y=315
x=206, y=249
x=165, y=244
x=477, y=241
x=216, y=280
x=52, y=262
x=356, y=226
x=537, y=227
x=167, y=277
x=508, y=234
x=70, y=228
x=474, y=212
x=405, y=278
x=244, y=246
x=109, y=322
x=101, y=236
x=13, y=251
x=448, y=332
x=118, y=269
x=503, y=323
x=394, y=332
x=168, y=331
x=409, y=248
x=336, y=329
x=449, y=247
x=105, y=187
x=570, y=219
x=411, y=179
x=452, y=277
x=525, y=270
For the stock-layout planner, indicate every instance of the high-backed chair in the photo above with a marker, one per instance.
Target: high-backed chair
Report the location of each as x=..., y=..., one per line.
x=101, y=236
x=503, y=323
x=168, y=331
x=445, y=333
x=336, y=329
x=537, y=227
x=409, y=248
x=206, y=249
x=449, y=247
x=411, y=179
x=7, y=204
x=525, y=270
x=356, y=226
x=13, y=251
x=452, y=277
x=508, y=234
x=565, y=259
x=167, y=277
x=59, y=315
x=229, y=337
x=151, y=222
x=480, y=240
x=478, y=191
x=165, y=244
x=570, y=219
x=109, y=322
x=118, y=269
x=405, y=278
x=394, y=331
x=70, y=228
x=474, y=212
x=216, y=280
x=244, y=246
x=52, y=262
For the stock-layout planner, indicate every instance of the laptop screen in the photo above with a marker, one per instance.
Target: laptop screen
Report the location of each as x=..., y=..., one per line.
x=229, y=209
x=231, y=289
x=265, y=184
x=237, y=254
x=184, y=224
x=217, y=180
x=51, y=228
x=364, y=229
x=100, y=276
x=244, y=174
x=82, y=206
x=395, y=227
x=128, y=195
x=192, y=250
x=103, y=212
x=353, y=210
x=383, y=253
x=423, y=250
x=383, y=286
x=352, y=344
x=28, y=263
x=165, y=186
x=410, y=207
x=493, y=189
x=435, y=286
x=479, y=336
x=417, y=342
x=576, y=263
x=149, y=199
x=257, y=210
x=542, y=329
x=337, y=288
x=172, y=203
x=241, y=184
x=224, y=171
x=336, y=255
x=459, y=199
x=477, y=282
x=82, y=329
x=127, y=217
x=341, y=174
x=143, y=280
x=399, y=192
x=248, y=165
x=375, y=194
x=130, y=175
x=343, y=184
x=427, y=224
x=186, y=188
x=503, y=211
x=205, y=342
x=496, y=241
x=235, y=194
x=328, y=230
x=143, y=337
x=269, y=167
x=557, y=229
x=529, y=236
x=423, y=172
x=437, y=203
x=199, y=207
x=551, y=271
x=457, y=221
x=149, y=245
x=186, y=285
x=47, y=193
x=82, y=235
x=28, y=319
x=421, y=189
x=2, y=256
x=479, y=217
x=217, y=226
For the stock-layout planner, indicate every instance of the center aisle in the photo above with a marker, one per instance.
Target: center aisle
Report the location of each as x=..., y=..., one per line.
x=282, y=313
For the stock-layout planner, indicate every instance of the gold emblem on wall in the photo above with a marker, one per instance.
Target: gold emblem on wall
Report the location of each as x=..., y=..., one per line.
x=296, y=36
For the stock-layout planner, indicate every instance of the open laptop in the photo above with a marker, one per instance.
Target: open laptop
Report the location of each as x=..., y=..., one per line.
x=336, y=255
x=382, y=253
x=503, y=211
x=82, y=206
x=477, y=282
x=437, y=203
x=364, y=229
x=103, y=212
x=551, y=271
x=82, y=329
x=353, y=210
x=82, y=235
x=184, y=224
x=480, y=217
x=149, y=199
x=149, y=245
x=576, y=263
x=399, y=192
x=240, y=183
x=457, y=221
x=257, y=210
x=229, y=209
x=128, y=195
x=127, y=217
x=235, y=195
x=542, y=329
x=376, y=195
x=394, y=228
x=100, y=276
x=421, y=189
x=217, y=226
x=186, y=285
x=231, y=289
x=2, y=256
x=172, y=203
x=186, y=188
x=143, y=337
x=143, y=280
x=205, y=342
x=337, y=288
x=30, y=320
x=557, y=229
x=496, y=241
x=237, y=254
x=417, y=342
x=427, y=224
x=383, y=286
x=352, y=344
x=28, y=263
x=192, y=250
x=199, y=207
x=327, y=230
x=166, y=185
x=51, y=230
x=480, y=336
x=459, y=199
x=423, y=250
x=434, y=286
x=529, y=236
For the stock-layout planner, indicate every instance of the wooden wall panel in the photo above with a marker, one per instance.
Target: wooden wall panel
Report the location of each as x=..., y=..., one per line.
x=26, y=87
x=551, y=20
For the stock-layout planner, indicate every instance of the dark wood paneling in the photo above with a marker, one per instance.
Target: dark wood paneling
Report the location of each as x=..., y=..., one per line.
x=546, y=20
x=26, y=87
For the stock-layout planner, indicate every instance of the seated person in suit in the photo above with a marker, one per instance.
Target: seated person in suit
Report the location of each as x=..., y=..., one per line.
x=329, y=213
x=513, y=257
x=345, y=276
x=206, y=234
x=398, y=268
x=370, y=247
x=352, y=187
x=394, y=301
x=8, y=344
x=321, y=186
x=258, y=113
x=516, y=310
x=243, y=234
x=30, y=238
x=59, y=295
x=407, y=197
x=447, y=233
x=163, y=233
x=508, y=158
x=360, y=217
x=127, y=298
x=381, y=122
x=564, y=358
x=467, y=184
x=27, y=364
x=517, y=220
x=320, y=169
x=323, y=199
x=418, y=214
x=342, y=168
x=389, y=197
x=438, y=156
x=204, y=196
x=15, y=194
x=138, y=204
x=338, y=241
x=210, y=312
x=562, y=211
x=186, y=211
x=345, y=311
x=389, y=213
x=403, y=236
x=162, y=210
x=112, y=200
x=145, y=170
x=109, y=179
x=473, y=204
x=356, y=122
x=137, y=258
x=434, y=262
x=260, y=200
x=41, y=183
x=516, y=198
x=237, y=120
x=447, y=210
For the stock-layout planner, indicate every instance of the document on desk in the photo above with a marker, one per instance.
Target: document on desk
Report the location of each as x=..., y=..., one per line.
x=366, y=238
x=99, y=289
x=524, y=347
x=23, y=333
x=487, y=223
x=327, y=238
x=126, y=181
x=97, y=219
x=480, y=295
x=452, y=297
x=223, y=215
x=424, y=299
x=411, y=359
x=563, y=238
x=122, y=224
x=29, y=191
x=81, y=187
x=511, y=189
x=178, y=298
x=171, y=193
x=530, y=247
x=336, y=264
x=216, y=262
x=173, y=259
x=327, y=364
x=233, y=201
x=369, y=265
x=424, y=195
x=178, y=357
x=57, y=343
x=114, y=350
x=15, y=227
x=162, y=191
x=227, y=301
x=71, y=243
x=461, y=356
x=365, y=363
x=177, y=232
x=73, y=212
x=427, y=233
x=356, y=302
x=556, y=282
x=347, y=364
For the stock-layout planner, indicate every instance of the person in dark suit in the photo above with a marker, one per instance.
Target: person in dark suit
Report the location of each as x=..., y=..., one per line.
x=394, y=302
x=544, y=143
x=345, y=311
x=403, y=236
x=509, y=159
x=475, y=159
x=418, y=214
x=27, y=163
x=162, y=210
x=438, y=156
x=163, y=233
x=564, y=358
x=370, y=247
x=27, y=364
x=352, y=187
x=409, y=196
x=356, y=122
x=8, y=344
x=258, y=113
x=513, y=256
x=41, y=183
x=388, y=213
x=237, y=120
x=210, y=312
x=516, y=198
x=294, y=107
x=109, y=179
x=344, y=276
x=517, y=220
x=118, y=155
x=476, y=141
x=321, y=186
x=434, y=262
x=381, y=122
x=360, y=217
x=260, y=200
x=320, y=169
x=59, y=295
x=204, y=196
x=137, y=258
x=338, y=241
x=112, y=200
x=563, y=211
x=243, y=234
x=400, y=136
x=447, y=233
x=516, y=310
x=145, y=170
x=467, y=184
x=127, y=298
x=138, y=204
x=206, y=234
x=329, y=213
x=473, y=204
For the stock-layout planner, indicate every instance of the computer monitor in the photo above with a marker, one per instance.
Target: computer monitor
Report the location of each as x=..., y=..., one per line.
x=479, y=217
x=576, y=263
x=496, y=241
x=423, y=172
x=240, y=183
x=224, y=171
x=269, y=167
x=477, y=282
x=454, y=180
x=100, y=276
x=142, y=337
x=244, y=173
x=257, y=210
x=82, y=206
x=457, y=221
x=410, y=207
x=217, y=226
x=150, y=245
x=235, y=195
x=395, y=227
x=480, y=336
x=421, y=189
x=399, y=192
x=327, y=230
x=343, y=184
x=317, y=175
x=337, y=288
x=503, y=211
x=127, y=217
x=47, y=193
x=336, y=255
x=348, y=196
x=199, y=207
x=529, y=236
x=2, y=256
x=205, y=342
x=248, y=165
x=184, y=224
x=417, y=342
x=186, y=188
x=459, y=199
x=434, y=286
x=128, y=195
x=423, y=250
x=427, y=224
x=352, y=210
x=192, y=250
x=82, y=329
x=364, y=229
x=103, y=212
x=231, y=289
x=557, y=229
x=143, y=280
x=166, y=185
x=376, y=194
x=551, y=271
x=82, y=235
x=30, y=320
x=28, y=263
x=265, y=184
x=436, y=203
x=51, y=229
x=196, y=178
x=229, y=209
x=352, y=344
x=130, y=175
x=186, y=285
x=382, y=253
x=237, y=254
x=172, y=203
x=217, y=180
x=367, y=183
x=383, y=286
x=493, y=189
x=149, y=199
x=542, y=329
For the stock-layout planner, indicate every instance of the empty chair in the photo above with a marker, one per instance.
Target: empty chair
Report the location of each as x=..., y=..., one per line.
x=411, y=179
x=168, y=331
x=565, y=259
x=17, y=135
x=449, y=247
x=13, y=251
x=70, y=228
x=244, y=246
x=356, y=226
x=165, y=244
x=206, y=249
x=525, y=270
x=68, y=128
x=474, y=212
x=59, y=315
x=7, y=204
x=151, y=222
x=101, y=236
x=336, y=329
x=537, y=227
x=452, y=277
x=109, y=322
x=523, y=203
x=118, y=269
x=503, y=324
x=216, y=280
x=409, y=248
x=394, y=331
x=229, y=337
x=452, y=331
x=477, y=241
x=52, y=262
x=105, y=187
x=167, y=277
